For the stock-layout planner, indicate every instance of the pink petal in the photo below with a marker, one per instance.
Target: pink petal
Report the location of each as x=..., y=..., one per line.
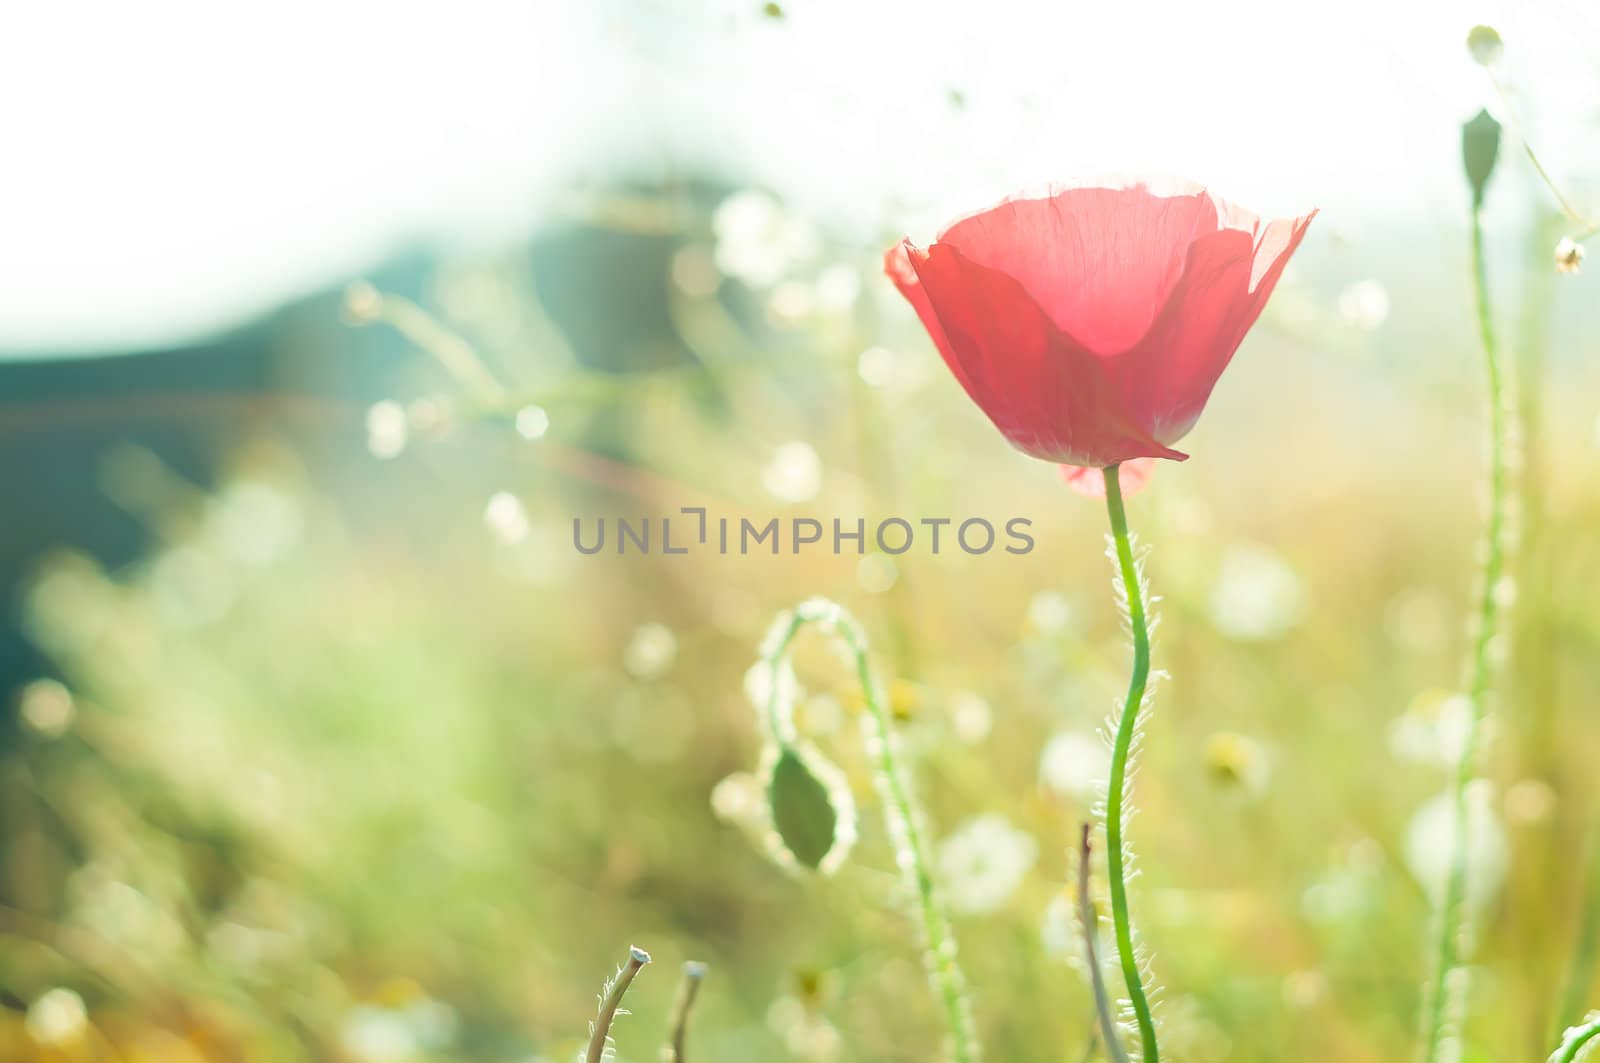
x=1046, y=394
x=1100, y=261
x=1168, y=377
x=1090, y=481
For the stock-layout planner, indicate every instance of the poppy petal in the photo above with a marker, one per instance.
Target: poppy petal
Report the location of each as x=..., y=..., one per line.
x=1101, y=262
x=1046, y=394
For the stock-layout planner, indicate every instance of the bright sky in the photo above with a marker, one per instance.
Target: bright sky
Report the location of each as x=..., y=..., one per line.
x=171, y=168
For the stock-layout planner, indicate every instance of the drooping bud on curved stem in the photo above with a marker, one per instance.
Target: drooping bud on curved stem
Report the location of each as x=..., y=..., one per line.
x=903, y=817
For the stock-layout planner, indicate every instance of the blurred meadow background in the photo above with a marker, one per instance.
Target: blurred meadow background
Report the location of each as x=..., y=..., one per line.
x=320, y=325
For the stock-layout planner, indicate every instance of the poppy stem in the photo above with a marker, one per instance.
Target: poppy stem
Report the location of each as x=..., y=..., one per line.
x=1122, y=746
x=905, y=834
x=1444, y=1006
x=901, y=814
x=1575, y=1039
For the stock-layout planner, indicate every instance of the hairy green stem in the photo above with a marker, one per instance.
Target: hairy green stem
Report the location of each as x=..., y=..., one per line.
x=780, y=726
x=1127, y=727
x=1573, y=1042
x=903, y=817
x=1587, y=950
x=900, y=810
x=1452, y=922
x=1088, y=923
x=611, y=1004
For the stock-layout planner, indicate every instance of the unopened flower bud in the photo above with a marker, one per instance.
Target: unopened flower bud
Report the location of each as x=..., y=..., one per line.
x=1480, y=146
x=1485, y=45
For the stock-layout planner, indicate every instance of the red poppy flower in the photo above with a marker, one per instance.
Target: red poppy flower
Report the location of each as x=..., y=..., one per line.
x=1091, y=323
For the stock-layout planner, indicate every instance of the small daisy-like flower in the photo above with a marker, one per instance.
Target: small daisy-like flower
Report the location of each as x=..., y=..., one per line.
x=738, y=798
x=982, y=863
x=1236, y=760
x=1075, y=765
x=57, y=1018
x=650, y=652
x=506, y=518
x=758, y=241
x=1433, y=728
x=1430, y=845
x=1569, y=256
x=1257, y=595
x=794, y=474
x=1365, y=305
x=386, y=429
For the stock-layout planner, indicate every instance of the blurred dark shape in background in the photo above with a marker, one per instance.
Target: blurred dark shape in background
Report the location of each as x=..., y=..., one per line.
x=298, y=372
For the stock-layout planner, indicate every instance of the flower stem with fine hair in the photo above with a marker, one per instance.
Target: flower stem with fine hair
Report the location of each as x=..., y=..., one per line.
x=1577, y=1040
x=611, y=1004
x=1442, y=1015
x=1122, y=746
x=903, y=818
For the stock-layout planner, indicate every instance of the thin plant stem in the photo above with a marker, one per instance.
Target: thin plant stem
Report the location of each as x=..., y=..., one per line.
x=1122, y=745
x=903, y=827
x=780, y=725
x=1573, y=1042
x=1439, y=1018
x=1572, y=212
x=364, y=305
x=900, y=810
x=688, y=990
x=611, y=1004
x=1581, y=971
x=1088, y=922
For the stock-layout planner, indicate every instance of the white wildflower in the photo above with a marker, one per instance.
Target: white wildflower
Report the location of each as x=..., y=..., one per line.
x=1075, y=765
x=650, y=652
x=983, y=862
x=1257, y=596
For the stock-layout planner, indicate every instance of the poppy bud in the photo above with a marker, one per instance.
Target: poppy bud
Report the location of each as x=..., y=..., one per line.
x=1480, y=145
x=1485, y=45
x=813, y=820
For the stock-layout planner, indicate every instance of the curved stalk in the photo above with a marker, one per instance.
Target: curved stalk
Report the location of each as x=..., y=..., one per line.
x=1576, y=1040
x=1122, y=745
x=900, y=809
